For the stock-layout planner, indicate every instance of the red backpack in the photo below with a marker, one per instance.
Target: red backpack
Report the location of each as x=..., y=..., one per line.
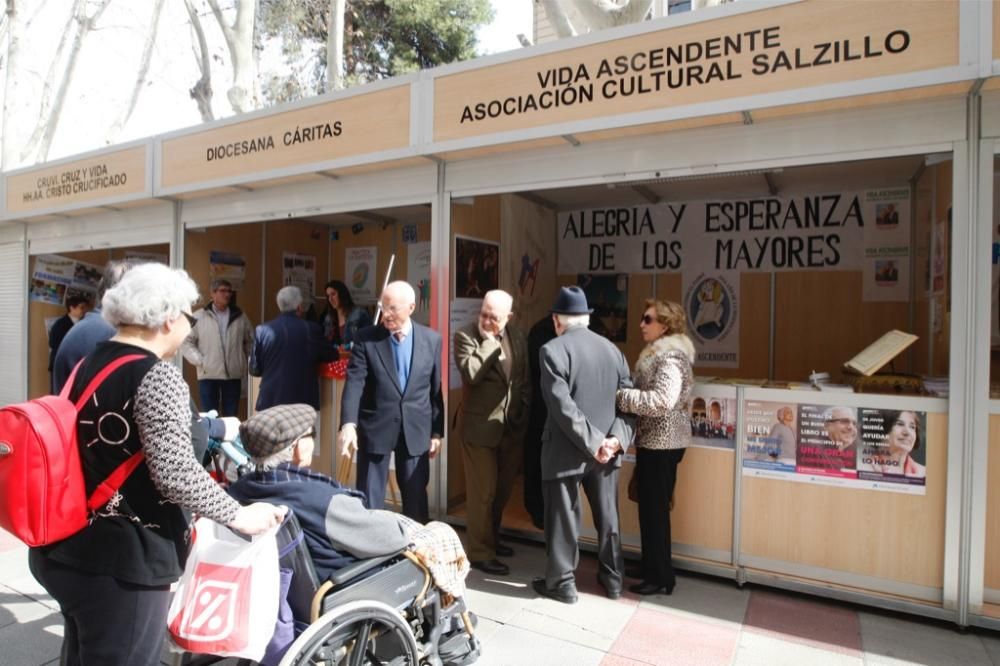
x=43, y=497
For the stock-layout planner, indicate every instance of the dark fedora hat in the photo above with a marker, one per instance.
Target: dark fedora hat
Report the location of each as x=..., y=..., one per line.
x=571, y=301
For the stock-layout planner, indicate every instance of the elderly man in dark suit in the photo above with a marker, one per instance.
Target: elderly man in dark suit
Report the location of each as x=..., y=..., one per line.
x=286, y=352
x=581, y=373
x=492, y=357
x=392, y=403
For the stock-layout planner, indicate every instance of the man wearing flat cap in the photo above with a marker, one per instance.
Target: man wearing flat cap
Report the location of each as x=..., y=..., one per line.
x=581, y=373
x=338, y=527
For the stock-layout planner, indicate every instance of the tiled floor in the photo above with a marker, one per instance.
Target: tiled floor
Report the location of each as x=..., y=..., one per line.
x=706, y=621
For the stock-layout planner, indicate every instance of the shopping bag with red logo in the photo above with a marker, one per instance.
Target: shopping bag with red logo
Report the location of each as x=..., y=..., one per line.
x=226, y=603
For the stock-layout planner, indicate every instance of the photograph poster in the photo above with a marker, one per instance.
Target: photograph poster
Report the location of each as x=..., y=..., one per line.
x=477, y=267
x=299, y=270
x=608, y=296
x=418, y=274
x=771, y=438
x=713, y=416
x=228, y=266
x=361, y=271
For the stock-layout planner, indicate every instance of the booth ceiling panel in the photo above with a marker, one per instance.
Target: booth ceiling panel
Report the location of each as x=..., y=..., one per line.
x=400, y=214
x=660, y=128
x=862, y=101
x=379, y=166
x=486, y=151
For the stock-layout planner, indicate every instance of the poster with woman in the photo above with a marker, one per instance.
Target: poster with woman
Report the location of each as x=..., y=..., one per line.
x=893, y=449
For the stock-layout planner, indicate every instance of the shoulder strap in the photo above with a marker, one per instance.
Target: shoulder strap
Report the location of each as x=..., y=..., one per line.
x=99, y=379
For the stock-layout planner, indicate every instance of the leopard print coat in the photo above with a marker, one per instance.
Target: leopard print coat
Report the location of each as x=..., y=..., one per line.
x=661, y=397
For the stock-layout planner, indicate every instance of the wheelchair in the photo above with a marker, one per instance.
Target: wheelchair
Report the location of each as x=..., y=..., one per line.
x=380, y=611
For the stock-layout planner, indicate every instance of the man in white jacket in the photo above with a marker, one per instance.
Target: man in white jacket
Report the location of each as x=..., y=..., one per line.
x=219, y=345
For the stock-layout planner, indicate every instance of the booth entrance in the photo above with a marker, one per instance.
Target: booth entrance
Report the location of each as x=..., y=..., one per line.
x=817, y=261
x=260, y=257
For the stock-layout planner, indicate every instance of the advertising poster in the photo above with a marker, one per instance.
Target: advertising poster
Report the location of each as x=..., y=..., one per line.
x=771, y=438
x=477, y=267
x=893, y=449
x=56, y=277
x=361, y=271
x=887, y=246
x=853, y=447
x=299, y=270
x=418, y=274
x=711, y=303
x=228, y=266
x=713, y=417
x=608, y=296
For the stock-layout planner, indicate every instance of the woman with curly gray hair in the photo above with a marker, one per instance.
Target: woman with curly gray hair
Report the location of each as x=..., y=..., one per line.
x=663, y=383
x=112, y=578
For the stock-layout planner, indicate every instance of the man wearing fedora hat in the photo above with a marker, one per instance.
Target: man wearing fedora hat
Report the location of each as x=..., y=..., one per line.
x=580, y=375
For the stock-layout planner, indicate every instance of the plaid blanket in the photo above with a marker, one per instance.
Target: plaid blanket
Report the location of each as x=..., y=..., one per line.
x=439, y=549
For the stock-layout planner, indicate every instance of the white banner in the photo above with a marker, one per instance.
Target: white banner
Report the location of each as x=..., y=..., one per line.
x=859, y=231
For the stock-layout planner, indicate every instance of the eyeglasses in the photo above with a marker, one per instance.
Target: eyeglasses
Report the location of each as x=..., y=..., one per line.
x=190, y=318
x=647, y=319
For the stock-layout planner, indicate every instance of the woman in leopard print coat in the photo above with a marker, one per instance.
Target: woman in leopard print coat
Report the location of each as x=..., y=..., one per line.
x=663, y=383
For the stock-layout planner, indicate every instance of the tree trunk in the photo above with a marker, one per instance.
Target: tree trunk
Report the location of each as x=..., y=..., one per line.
x=558, y=18
x=8, y=154
x=600, y=14
x=335, y=46
x=140, y=79
x=201, y=93
x=239, y=39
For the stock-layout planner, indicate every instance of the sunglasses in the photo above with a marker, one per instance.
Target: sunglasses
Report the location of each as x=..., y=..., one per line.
x=647, y=319
x=190, y=318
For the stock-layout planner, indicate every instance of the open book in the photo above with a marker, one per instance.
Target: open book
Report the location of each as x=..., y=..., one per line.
x=880, y=352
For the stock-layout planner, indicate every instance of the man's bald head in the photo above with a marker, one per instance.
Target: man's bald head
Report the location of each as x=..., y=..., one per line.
x=398, y=302
x=495, y=312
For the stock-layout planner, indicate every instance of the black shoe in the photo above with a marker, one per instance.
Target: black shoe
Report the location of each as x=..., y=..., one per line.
x=646, y=588
x=504, y=550
x=566, y=594
x=495, y=567
x=614, y=593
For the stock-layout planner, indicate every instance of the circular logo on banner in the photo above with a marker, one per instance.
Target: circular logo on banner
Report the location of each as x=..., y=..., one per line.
x=711, y=307
x=360, y=276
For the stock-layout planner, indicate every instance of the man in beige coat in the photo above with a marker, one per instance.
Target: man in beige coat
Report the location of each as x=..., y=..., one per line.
x=492, y=358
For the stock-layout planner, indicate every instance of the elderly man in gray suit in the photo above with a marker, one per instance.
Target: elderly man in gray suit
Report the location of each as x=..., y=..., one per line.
x=581, y=373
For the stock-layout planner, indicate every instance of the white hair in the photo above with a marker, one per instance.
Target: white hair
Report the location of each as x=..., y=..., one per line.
x=571, y=320
x=501, y=298
x=289, y=298
x=270, y=462
x=149, y=295
x=403, y=289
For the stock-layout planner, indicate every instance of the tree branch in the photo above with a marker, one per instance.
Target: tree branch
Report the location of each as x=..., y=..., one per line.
x=335, y=46
x=605, y=13
x=201, y=93
x=147, y=56
x=558, y=18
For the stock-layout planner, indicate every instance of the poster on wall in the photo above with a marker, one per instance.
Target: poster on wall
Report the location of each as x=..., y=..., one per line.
x=228, y=266
x=607, y=295
x=528, y=236
x=477, y=267
x=55, y=278
x=886, y=273
x=463, y=312
x=299, y=270
x=856, y=447
x=361, y=271
x=995, y=318
x=418, y=274
x=713, y=416
x=711, y=303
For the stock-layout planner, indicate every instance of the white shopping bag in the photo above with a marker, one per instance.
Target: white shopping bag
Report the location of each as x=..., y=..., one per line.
x=226, y=603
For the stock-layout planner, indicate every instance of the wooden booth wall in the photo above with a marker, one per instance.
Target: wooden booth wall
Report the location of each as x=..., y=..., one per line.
x=992, y=555
x=38, y=340
x=929, y=354
x=895, y=537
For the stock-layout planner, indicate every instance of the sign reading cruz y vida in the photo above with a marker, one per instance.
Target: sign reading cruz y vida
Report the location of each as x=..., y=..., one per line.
x=800, y=45
x=58, y=186
x=356, y=125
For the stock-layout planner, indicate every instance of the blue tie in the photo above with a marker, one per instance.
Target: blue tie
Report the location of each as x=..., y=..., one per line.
x=400, y=349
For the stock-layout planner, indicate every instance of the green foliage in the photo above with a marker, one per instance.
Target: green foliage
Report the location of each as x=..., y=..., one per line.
x=382, y=39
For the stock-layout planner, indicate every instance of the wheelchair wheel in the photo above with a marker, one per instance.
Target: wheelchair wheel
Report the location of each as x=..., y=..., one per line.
x=360, y=633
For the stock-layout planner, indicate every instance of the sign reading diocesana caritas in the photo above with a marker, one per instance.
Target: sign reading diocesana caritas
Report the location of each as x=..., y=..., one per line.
x=800, y=45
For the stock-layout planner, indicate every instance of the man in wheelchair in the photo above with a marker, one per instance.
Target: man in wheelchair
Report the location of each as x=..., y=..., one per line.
x=369, y=568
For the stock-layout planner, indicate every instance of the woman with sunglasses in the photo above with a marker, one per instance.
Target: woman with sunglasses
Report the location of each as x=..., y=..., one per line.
x=112, y=578
x=663, y=382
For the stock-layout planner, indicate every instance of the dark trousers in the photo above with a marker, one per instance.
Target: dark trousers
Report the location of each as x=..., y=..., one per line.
x=222, y=395
x=412, y=476
x=490, y=472
x=563, y=512
x=657, y=474
x=107, y=622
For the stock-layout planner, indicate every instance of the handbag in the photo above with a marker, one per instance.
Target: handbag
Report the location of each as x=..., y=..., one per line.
x=226, y=602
